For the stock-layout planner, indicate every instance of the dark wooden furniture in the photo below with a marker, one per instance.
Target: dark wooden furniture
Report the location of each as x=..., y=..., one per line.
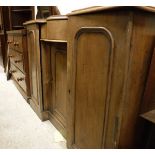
x=48, y=69
x=35, y=65
x=18, y=15
x=2, y=40
x=54, y=71
x=18, y=57
x=109, y=53
x=148, y=102
x=46, y=11
x=4, y=26
x=1, y=53
x=147, y=112
x=91, y=74
x=12, y=18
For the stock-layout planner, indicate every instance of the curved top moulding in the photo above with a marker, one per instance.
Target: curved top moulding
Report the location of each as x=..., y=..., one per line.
x=105, y=8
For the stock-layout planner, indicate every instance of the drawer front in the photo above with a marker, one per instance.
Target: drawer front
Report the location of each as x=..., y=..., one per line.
x=10, y=41
x=18, y=76
x=17, y=41
x=60, y=30
x=17, y=59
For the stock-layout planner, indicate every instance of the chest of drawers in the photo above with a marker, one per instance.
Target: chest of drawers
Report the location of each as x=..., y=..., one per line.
x=18, y=57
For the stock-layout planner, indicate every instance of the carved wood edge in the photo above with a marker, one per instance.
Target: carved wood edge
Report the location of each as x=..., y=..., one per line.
x=52, y=40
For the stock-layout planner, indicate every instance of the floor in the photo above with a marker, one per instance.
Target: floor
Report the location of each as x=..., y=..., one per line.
x=20, y=128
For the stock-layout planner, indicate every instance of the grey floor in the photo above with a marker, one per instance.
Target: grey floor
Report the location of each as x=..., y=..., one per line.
x=20, y=128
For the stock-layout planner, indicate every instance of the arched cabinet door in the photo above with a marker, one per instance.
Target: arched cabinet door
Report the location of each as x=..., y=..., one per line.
x=34, y=57
x=92, y=61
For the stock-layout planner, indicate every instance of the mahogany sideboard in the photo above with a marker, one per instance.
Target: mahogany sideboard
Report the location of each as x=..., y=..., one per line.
x=109, y=53
x=89, y=73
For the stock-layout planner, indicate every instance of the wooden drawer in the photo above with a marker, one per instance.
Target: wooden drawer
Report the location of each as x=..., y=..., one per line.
x=18, y=76
x=57, y=28
x=17, y=59
x=18, y=43
x=10, y=41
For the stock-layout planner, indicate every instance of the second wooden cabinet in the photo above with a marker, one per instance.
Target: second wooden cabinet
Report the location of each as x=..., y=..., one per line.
x=54, y=71
x=48, y=69
x=34, y=55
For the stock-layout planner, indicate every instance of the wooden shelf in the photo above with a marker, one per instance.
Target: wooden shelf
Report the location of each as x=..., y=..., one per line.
x=150, y=116
x=55, y=41
x=18, y=26
x=22, y=10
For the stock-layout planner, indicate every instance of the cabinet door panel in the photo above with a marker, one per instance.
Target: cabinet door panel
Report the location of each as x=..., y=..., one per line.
x=61, y=75
x=59, y=84
x=92, y=55
x=33, y=65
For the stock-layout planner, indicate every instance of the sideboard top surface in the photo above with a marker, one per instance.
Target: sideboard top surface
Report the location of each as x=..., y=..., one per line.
x=36, y=21
x=57, y=17
x=105, y=8
x=14, y=32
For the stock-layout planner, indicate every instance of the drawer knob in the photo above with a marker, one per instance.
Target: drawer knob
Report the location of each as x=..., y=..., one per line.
x=16, y=43
x=11, y=56
x=9, y=42
x=18, y=61
x=20, y=79
x=12, y=71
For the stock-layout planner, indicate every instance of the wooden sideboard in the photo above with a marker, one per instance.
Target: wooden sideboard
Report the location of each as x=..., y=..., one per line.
x=109, y=53
x=90, y=73
x=35, y=65
x=18, y=58
x=54, y=71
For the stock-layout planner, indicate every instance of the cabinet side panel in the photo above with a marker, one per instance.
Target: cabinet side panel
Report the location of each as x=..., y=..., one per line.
x=61, y=70
x=141, y=51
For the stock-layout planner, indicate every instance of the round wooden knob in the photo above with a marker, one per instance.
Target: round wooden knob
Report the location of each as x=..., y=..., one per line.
x=12, y=71
x=18, y=61
x=11, y=56
x=9, y=42
x=20, y=79
x=17, y=43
